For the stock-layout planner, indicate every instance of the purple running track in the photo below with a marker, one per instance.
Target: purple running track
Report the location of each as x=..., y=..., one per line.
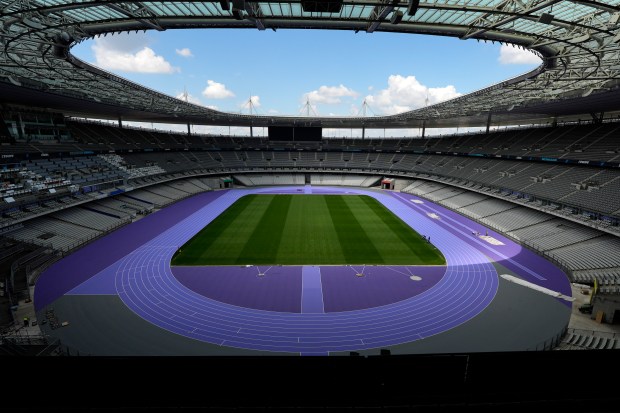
x=145, y=282
x=93, y=258
x=343, y=290
x=280, y=288
x=312, y=290
x=527, y=264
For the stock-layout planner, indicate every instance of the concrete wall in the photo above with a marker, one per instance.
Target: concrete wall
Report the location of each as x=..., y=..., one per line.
x=608, y=304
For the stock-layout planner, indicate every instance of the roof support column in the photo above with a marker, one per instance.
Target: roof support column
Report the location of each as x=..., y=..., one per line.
x=120, y=121
x=189, y=131
x=423, y=128
x=597, y=117
x=489, y=122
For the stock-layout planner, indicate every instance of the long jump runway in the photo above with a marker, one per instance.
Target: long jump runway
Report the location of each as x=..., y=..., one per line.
x=307, y=310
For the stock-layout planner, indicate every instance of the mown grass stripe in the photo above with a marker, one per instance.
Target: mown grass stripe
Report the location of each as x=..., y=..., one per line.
x=199, y=246
x=385, y=240
x=263, y=245
x=409, y=239
x=309, y=234
x=230, y=243
x=307, y=230
x=355, y=244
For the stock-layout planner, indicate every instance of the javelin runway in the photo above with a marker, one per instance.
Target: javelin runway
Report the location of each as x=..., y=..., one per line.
x=318, y=320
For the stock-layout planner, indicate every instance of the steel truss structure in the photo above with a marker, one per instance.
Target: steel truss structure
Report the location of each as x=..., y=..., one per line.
x=578, y=41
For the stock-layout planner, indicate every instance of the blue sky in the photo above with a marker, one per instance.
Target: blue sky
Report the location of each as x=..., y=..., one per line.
x=335, y=70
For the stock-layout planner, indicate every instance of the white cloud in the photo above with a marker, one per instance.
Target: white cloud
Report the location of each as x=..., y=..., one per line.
x=407, y=93
x=124, y=42
x=185, y=52
x=129, y=56
x=190, y=98
x=511, y=55
x=330, y=95
x=215, y=90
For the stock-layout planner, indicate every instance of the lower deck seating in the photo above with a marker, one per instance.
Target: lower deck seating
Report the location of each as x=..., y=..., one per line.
x=578, y=247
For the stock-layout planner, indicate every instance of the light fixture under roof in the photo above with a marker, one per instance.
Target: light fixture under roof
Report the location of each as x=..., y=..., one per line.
x=32, y=23
x=545, y=18
x=329, y=6
x=14, y=81
x=397, y=16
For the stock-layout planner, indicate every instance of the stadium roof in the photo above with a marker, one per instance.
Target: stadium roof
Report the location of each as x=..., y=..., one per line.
x=578, y=41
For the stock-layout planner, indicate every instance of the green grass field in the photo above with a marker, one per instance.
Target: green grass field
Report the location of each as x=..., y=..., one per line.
x=307, y=229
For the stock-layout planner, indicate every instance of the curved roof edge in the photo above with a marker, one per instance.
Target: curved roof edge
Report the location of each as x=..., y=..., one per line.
x=577, y=41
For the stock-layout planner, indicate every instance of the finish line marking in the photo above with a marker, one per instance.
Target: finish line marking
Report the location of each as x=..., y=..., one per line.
x=536, y=287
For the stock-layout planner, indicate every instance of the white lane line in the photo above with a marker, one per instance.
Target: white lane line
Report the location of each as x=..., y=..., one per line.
x=480, y=243
x=152, y=264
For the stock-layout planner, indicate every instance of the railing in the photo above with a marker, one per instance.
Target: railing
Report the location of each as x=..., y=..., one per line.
x=167, y=177
x=598, y=333
x=12, y=304
x=13, y=250
x=10, y=227
x=519, y=196
x=65, y=250
x=33, y=275
x=592, y=340
x=550, y=343
x=17, y=264
x=18, y=343
x=52, y=348
x=414, y=175
x=562, y=263
x=69, y=351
